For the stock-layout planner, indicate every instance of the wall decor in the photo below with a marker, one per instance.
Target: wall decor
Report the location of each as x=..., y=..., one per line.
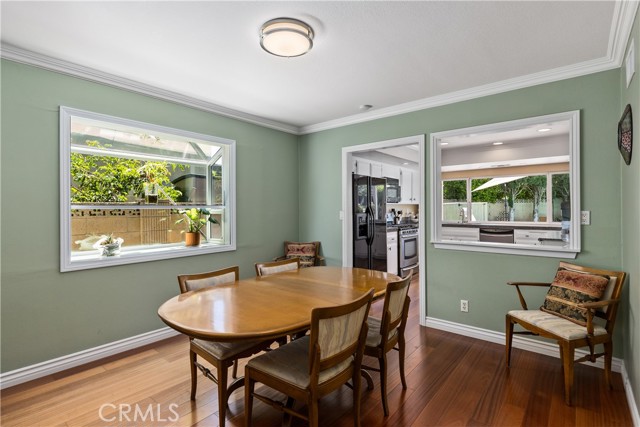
x=625, y=134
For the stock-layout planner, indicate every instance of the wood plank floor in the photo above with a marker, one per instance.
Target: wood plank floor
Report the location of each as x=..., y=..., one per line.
x=452, y=380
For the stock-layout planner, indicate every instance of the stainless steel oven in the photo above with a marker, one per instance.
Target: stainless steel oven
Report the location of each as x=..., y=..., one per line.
x=407, y=250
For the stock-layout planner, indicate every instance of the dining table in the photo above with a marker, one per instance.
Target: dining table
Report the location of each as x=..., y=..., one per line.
x=268, y=306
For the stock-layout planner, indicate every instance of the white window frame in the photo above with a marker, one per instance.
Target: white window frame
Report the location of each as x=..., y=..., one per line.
x=137, y=254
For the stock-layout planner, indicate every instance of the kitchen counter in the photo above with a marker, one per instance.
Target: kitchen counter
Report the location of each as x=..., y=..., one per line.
x=504, y=226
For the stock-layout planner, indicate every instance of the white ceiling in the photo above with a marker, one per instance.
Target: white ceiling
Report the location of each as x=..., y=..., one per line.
x=396, y=56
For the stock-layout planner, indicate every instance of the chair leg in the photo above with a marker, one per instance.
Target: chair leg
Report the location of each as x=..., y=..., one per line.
x=608, y=357
x=357, y=386
x=383, y=383
x=249, y=385
x=567, y=364
x=222, y=394
x=509, y=336
x=401, y=351
x=313, y=412
x=234, y=374
x=193, y=358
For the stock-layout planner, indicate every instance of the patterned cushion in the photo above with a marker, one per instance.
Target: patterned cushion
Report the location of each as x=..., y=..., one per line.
x=570, y=288
x=307, y=252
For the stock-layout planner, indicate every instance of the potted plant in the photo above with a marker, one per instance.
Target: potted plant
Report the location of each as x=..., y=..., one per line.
x=109, y=245
x=196, y=219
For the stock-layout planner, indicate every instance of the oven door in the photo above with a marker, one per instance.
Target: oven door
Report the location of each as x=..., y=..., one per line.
x=408, y=251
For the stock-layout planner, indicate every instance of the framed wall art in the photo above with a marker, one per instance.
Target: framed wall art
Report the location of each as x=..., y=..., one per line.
x=625, y=134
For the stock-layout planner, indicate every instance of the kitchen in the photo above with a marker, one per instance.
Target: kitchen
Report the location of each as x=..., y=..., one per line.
x=386, y=201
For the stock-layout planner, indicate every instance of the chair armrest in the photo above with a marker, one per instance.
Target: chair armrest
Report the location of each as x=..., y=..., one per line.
x=591, y=307
x=319, y=260
x=523, y=303
x=529, y=284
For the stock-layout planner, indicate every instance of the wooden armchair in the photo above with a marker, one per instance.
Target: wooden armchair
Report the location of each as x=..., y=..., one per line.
x=577, y=296
x=220, y=355
x=307, y=252
x=311, y=367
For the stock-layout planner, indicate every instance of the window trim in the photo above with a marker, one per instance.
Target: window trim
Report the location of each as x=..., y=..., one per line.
x=134, y=254
x=573, y=117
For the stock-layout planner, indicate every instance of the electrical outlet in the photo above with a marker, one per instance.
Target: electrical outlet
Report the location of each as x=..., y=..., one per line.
x=464, y=305
x=585, y=217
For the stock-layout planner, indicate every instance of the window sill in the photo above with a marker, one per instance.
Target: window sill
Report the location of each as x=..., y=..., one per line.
x=92, y=259
x=508, y=248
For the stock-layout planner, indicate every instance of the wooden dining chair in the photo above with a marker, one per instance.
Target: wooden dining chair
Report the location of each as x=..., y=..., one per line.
x=272, y=267
x=576, y=297
x=313, y=366
x=221, y=355
x=387, y=333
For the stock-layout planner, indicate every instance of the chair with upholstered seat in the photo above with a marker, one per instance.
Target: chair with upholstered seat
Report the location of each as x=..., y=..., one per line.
x=221, y=355
x=272, y=267
x=387, y=333
x=576, y=298
x=311, y=367
x=307, y=252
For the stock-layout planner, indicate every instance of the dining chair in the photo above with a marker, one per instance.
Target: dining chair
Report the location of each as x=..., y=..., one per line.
x=387, y=333
x=272, y=267
x=221, y=355
x=307, y=252
x=577, y=297
x=308, y=368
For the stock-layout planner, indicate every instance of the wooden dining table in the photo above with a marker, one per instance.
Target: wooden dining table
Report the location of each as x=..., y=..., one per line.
x=268, y=306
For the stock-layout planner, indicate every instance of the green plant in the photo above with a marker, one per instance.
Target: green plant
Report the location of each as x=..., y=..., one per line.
x=196, y=218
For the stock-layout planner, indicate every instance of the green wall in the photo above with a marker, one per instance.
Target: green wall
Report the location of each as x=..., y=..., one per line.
x=47, y=314
x=630, y=185
x=480, y=277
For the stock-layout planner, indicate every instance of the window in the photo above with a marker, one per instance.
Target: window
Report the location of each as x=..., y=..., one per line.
x=510, y=187
x=132, y=182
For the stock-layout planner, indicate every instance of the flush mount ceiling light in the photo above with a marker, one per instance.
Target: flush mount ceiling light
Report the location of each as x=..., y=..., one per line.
x=286, y=37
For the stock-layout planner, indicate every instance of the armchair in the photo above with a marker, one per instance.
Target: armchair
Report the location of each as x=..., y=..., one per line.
x=308, y=252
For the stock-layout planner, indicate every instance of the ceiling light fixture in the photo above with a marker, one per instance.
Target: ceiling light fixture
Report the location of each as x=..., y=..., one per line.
x=286, y=37
x=544, y=130
x=498, y=143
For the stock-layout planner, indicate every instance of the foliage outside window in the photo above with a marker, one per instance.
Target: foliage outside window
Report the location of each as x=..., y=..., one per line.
x=131, y=181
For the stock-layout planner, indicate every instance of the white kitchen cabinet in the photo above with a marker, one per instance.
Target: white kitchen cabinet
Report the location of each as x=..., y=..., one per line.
x=390, y=171
x=409, y=186
x=461, y=234
x=392, y=252
x=376, y=170
x=367, y=168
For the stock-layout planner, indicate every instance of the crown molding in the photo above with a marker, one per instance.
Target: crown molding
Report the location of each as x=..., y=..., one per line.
x=39, y=60
x=622, y=24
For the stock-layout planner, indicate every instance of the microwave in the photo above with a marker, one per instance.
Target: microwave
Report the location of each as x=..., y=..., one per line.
x=393, y=190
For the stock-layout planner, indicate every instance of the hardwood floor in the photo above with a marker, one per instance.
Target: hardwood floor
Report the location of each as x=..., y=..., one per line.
x=452, y=380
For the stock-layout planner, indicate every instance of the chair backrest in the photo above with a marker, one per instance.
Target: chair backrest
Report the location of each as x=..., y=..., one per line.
x=612, y=291
x=337, y=336
x=266, y=268
x=394, y=310
x=193, y=282
x=307, y=252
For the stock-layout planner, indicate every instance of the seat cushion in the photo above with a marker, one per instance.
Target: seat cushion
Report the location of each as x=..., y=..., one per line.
x=225, y=350
x=266, y=271
x=373, y=334
x=290, y=363
x=570, y=288
x=306, y=251
x=555, y=324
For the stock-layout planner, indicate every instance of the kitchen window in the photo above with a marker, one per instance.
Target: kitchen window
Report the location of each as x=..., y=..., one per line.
x=128, y=183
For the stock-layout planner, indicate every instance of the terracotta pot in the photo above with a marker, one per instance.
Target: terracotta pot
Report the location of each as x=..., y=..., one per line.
x=192, y=239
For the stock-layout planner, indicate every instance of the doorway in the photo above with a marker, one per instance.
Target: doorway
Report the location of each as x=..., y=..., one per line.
x=406, y=153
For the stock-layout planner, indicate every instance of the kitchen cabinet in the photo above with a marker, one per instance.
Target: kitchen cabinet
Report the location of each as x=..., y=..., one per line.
x=409, y=186
x=367, y=168
x=392, y=252
x=462, y=234
x=530, y=237
x=390, y=171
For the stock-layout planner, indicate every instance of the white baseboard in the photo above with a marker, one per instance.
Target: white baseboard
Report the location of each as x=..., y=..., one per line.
x=48, y=367
x=541, y=347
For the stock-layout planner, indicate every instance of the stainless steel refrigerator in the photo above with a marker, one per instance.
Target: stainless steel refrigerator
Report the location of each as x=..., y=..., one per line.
x=369, y=222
